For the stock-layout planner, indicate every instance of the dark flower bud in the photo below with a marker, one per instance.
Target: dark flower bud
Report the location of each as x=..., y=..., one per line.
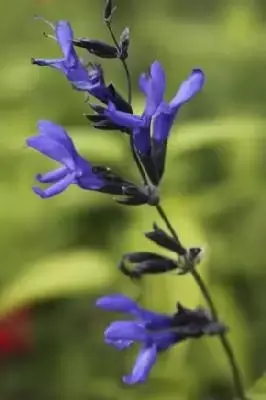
x=161, y=238
x=187, y=262
x=113, y=183
x=196, y=323
x=134, y=196
x=137, y=264
x=96, y=47
x=124, y=44
x=132, y=201
x=108, y=10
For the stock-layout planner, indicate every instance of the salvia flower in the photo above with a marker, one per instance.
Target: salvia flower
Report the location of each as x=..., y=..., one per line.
x=53, y=141
x=155, y=332
x=151, y=129
x=156, y=109
x=90, y=80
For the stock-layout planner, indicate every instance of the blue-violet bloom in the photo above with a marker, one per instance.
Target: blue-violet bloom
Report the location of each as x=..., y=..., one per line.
x=71, y=66
x=148, y=328
x=54, y=142
x=157, y=112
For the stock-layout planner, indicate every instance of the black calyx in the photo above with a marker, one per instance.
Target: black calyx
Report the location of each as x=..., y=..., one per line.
x=97, y=47
x=161, y=238
x=137, y=264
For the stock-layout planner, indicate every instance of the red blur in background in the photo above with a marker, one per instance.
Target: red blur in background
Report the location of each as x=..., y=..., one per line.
x=16, y=332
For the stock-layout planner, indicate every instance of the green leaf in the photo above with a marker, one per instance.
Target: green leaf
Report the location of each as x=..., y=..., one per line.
x=60, y=275
x=258, y=392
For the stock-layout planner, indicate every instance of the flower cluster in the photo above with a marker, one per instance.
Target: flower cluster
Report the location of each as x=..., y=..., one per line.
x=148, y=137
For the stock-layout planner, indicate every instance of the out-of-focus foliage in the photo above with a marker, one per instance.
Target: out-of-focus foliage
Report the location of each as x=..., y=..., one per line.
x=258, y=392
x=60, y=254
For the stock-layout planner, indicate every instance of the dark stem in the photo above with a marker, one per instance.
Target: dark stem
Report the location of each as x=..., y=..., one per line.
x=123, y=63
x=129, y=86
x=239, y=387
x=167, y=223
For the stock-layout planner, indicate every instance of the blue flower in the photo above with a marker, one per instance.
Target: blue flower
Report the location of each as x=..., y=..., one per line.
x=157, y=112
x=148, y=328
x=54, y=142
x=70, y=65
x=155, y=331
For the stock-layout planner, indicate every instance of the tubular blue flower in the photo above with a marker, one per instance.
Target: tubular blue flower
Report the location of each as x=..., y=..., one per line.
x=157, y=112
x=123, y=334
x=54, y=142
x=154, y=331
x=70, y=65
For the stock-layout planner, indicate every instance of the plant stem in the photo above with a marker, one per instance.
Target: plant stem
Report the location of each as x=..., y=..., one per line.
x=123, y=63
x=239, y=387
x=164, y=217
x=129, y=86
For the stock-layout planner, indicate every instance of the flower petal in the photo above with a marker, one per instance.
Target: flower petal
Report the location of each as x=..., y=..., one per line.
x=144, y=83
x=58, y=63
x=57, y=188
x=189, y=88
x=144, y=363
x=125, y=330
x=117, y=303
x=89, y=182
x=52, y=176
x=156, y=88
x=51, y=148
x=161, y=126
x=164, y=340
x=79, y=78
x=120, y=344
x=142, y=140
x=123, y=119
x=64, y=36
x=56, y=132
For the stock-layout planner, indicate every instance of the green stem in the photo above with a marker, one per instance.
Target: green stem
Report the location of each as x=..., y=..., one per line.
x=239, y=387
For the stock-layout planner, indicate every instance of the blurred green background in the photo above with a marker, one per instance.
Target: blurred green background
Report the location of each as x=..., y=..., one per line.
x=59, y=255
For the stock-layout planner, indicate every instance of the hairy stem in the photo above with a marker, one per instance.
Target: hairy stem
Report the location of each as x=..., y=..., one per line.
x=239, y=387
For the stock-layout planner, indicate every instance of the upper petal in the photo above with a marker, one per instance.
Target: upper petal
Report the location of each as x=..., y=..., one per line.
x=143, y=365
x=117, y=303
x=125, y=330
x=191, y=86
x=64, y=36
x=144, y=83
x=51, y=148
x=156, y=88
x=58, y=133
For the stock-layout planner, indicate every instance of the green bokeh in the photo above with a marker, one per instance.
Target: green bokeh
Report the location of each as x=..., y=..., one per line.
x=59, y=255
